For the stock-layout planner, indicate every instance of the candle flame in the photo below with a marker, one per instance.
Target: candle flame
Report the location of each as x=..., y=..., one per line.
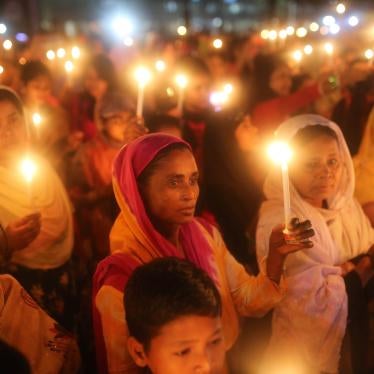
x=280, y=152
x=36, y=119
x=181, y=80
x=142, y=75
x=28, y=169
x=69, y=66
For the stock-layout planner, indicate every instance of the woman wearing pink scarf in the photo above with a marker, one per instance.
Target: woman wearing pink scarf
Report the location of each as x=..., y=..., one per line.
x=155, y=183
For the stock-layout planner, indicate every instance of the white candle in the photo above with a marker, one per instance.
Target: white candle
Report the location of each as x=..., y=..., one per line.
x=280, y=153
x=143, y=76
x=182, y=83
x=37, y=120
x=28, y=169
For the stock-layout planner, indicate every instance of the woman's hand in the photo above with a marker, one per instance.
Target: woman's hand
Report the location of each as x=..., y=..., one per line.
x=281, y=244
x=23, y=231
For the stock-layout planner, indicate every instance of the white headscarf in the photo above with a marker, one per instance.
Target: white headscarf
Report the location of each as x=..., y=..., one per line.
x=312, y=317
x=54, y=244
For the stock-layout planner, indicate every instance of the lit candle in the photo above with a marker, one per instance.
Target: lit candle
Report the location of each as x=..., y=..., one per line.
x=143, y=76
x=28, y=170
x=369, y=54
x=69, y=67
x=37, y=120
x=75, y=52
x=218, y=99
x=160, y=66
x=280, y=153
x=181, y=81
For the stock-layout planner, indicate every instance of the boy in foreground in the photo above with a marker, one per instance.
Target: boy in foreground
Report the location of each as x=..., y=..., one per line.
x=173, y=312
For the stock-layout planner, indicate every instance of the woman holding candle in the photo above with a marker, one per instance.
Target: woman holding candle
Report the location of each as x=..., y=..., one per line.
x=41, y=265
x=156, y=185
x=100, y=77
x=309, y=323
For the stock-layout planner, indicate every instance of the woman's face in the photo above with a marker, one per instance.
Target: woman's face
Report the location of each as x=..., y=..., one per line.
x=171, y=192
x=246, y=135
x=117, y=125
x=95, y=86
x=317, y=173
x=197, y=93
x=281, y=81
x=12, y=129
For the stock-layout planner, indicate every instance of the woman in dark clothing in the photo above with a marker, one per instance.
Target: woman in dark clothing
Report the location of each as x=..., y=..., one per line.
x=232, y=186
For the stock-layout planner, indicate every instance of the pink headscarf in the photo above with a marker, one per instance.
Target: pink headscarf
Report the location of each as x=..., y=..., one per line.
x=129, y=164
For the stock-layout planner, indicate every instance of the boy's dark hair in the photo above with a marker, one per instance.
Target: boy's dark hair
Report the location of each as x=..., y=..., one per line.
x=34, y=69
x=166, y=289
x=309, y=133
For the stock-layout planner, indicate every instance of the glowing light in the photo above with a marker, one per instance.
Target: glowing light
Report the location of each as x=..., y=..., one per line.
x=7, y=44
x=51, y=55
x=28, y=169
x=160, y=65
x=121, y=26
x=265, y=34
x=340, y=8
x=75, y=52
x=1, y=69
x=328, y=20
x=128, y=41
x=273, y=35
x=279, y=152
x=142, y=75
x=22, y=37
x=218, y=99
x=369, y=54
x=182, y=30
x=297, y=55
x=334, y=29
x=228, y=88
x=170, y=92
x=36, y=119
x=69, y=66
x=308, y=49
x=22, y=61
x=301, y=32
x=3, y=28
x=282, y=34
x=329, y=48
x=353, y=21
x=290, y=30
x=61, y=53
x=314, y=27
x=217, y=43
x=181, y=80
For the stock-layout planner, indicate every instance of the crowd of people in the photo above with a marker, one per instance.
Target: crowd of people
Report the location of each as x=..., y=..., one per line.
x=157, y=243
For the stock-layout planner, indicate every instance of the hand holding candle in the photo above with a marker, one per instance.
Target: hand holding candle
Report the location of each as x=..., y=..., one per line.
x=142, y=76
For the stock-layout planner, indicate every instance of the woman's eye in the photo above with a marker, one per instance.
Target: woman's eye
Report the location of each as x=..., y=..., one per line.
x=216, y=341
x=311, y=165
x=333, y=162
x=173, y=183
x=194, y=181
x=183, y=352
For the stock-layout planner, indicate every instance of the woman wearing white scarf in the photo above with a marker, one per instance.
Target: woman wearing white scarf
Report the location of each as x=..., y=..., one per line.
x=39, y=260
x=311, y=319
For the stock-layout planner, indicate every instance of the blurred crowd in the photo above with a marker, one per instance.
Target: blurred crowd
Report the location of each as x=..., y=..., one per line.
x=77, y=101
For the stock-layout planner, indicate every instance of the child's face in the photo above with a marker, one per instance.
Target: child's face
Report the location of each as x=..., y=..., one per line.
x=188, y=345
x=38, y=90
